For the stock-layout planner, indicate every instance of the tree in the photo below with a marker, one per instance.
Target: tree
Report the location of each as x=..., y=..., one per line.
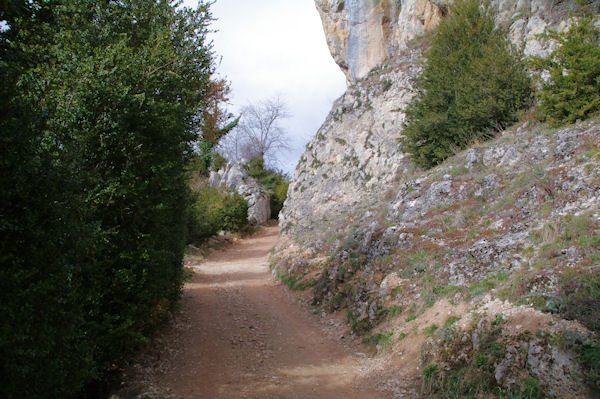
x=573, y=90
x=100, y=108
x=259, y=133
x=235, y=146
x=473, y=84
x=215, y=122
x=42, y=235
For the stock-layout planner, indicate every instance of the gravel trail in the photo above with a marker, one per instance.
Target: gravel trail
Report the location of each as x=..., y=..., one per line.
x=246, y=336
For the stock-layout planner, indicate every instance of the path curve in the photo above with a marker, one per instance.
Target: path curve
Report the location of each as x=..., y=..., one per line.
x=247, y=337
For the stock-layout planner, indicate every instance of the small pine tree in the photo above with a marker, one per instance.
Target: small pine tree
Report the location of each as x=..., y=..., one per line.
x=473, y=84
x=573, y=90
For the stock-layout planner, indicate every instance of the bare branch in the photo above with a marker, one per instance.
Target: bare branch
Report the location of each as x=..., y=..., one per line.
x=259, y=132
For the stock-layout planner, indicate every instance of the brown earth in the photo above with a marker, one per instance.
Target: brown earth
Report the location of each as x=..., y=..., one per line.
x=241, y=334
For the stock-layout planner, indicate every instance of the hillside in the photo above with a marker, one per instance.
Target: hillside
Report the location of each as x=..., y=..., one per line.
x=511, y=225
x=477, y=277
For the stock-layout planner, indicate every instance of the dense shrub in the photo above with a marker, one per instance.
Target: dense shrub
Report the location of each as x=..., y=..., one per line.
x=580, y=294
x=278, y=196
x=573, y=89
x=218, y=161
x=473, y=84
x=205, y=159
x=202, y=158
x=214, y=210
x=97, y=122
x=256, y=168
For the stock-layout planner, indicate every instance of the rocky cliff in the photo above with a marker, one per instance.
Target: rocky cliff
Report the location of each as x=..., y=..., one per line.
x=508, y=230
x=354, y=157
x=363, y=34
x=486, y=266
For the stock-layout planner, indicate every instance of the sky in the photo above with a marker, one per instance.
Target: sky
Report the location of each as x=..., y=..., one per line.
x=277, y=48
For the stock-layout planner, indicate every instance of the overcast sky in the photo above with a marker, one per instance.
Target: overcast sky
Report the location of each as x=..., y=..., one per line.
x=277, y=47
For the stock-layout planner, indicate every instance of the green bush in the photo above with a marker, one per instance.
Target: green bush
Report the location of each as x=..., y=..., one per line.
x=573, y=90
x=97, y=124
x=256, y=168
x=218, y=161
x=473, y=84
x=205, y=159
x=278, y=196
x=235, y=212
x=214, y=210
x=201, y=160
x=580, y=298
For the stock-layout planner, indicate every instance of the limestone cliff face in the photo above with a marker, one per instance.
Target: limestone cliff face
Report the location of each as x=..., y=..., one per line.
x=354, y=157
x=362, y=34
x=494, y=214
x=489, y=229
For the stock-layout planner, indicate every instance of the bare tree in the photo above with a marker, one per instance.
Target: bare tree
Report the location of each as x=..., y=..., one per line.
x=233, y=146
x=258, y=132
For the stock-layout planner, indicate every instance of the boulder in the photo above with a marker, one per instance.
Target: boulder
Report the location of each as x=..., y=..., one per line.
x=557, y=370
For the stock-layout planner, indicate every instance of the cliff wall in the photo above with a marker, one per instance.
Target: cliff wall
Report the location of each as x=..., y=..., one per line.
x=484, y=268
x=362, y=34
x=354, y=157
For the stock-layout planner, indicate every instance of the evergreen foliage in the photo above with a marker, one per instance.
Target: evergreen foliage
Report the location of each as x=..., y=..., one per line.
x=278, y=195
x=100, y=105
x=205, y=157
x=473, y=84
x=573, y=90
x=218, y=161
x=215, y=210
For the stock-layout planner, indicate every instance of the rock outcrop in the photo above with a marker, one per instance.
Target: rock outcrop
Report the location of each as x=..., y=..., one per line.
x=517, y=217
x=354, y=157
x=235, y=176
x=362, y=34
x=511, y=221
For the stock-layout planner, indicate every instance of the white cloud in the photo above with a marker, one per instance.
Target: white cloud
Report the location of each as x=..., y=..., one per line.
x=277, y=47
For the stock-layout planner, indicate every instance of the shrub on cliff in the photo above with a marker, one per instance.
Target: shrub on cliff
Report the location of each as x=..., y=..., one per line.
x=278, y=195
x=473, y=84
x=573, y=90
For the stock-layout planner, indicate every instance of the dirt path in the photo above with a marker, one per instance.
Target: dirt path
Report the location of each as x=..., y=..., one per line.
x=247, y=337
